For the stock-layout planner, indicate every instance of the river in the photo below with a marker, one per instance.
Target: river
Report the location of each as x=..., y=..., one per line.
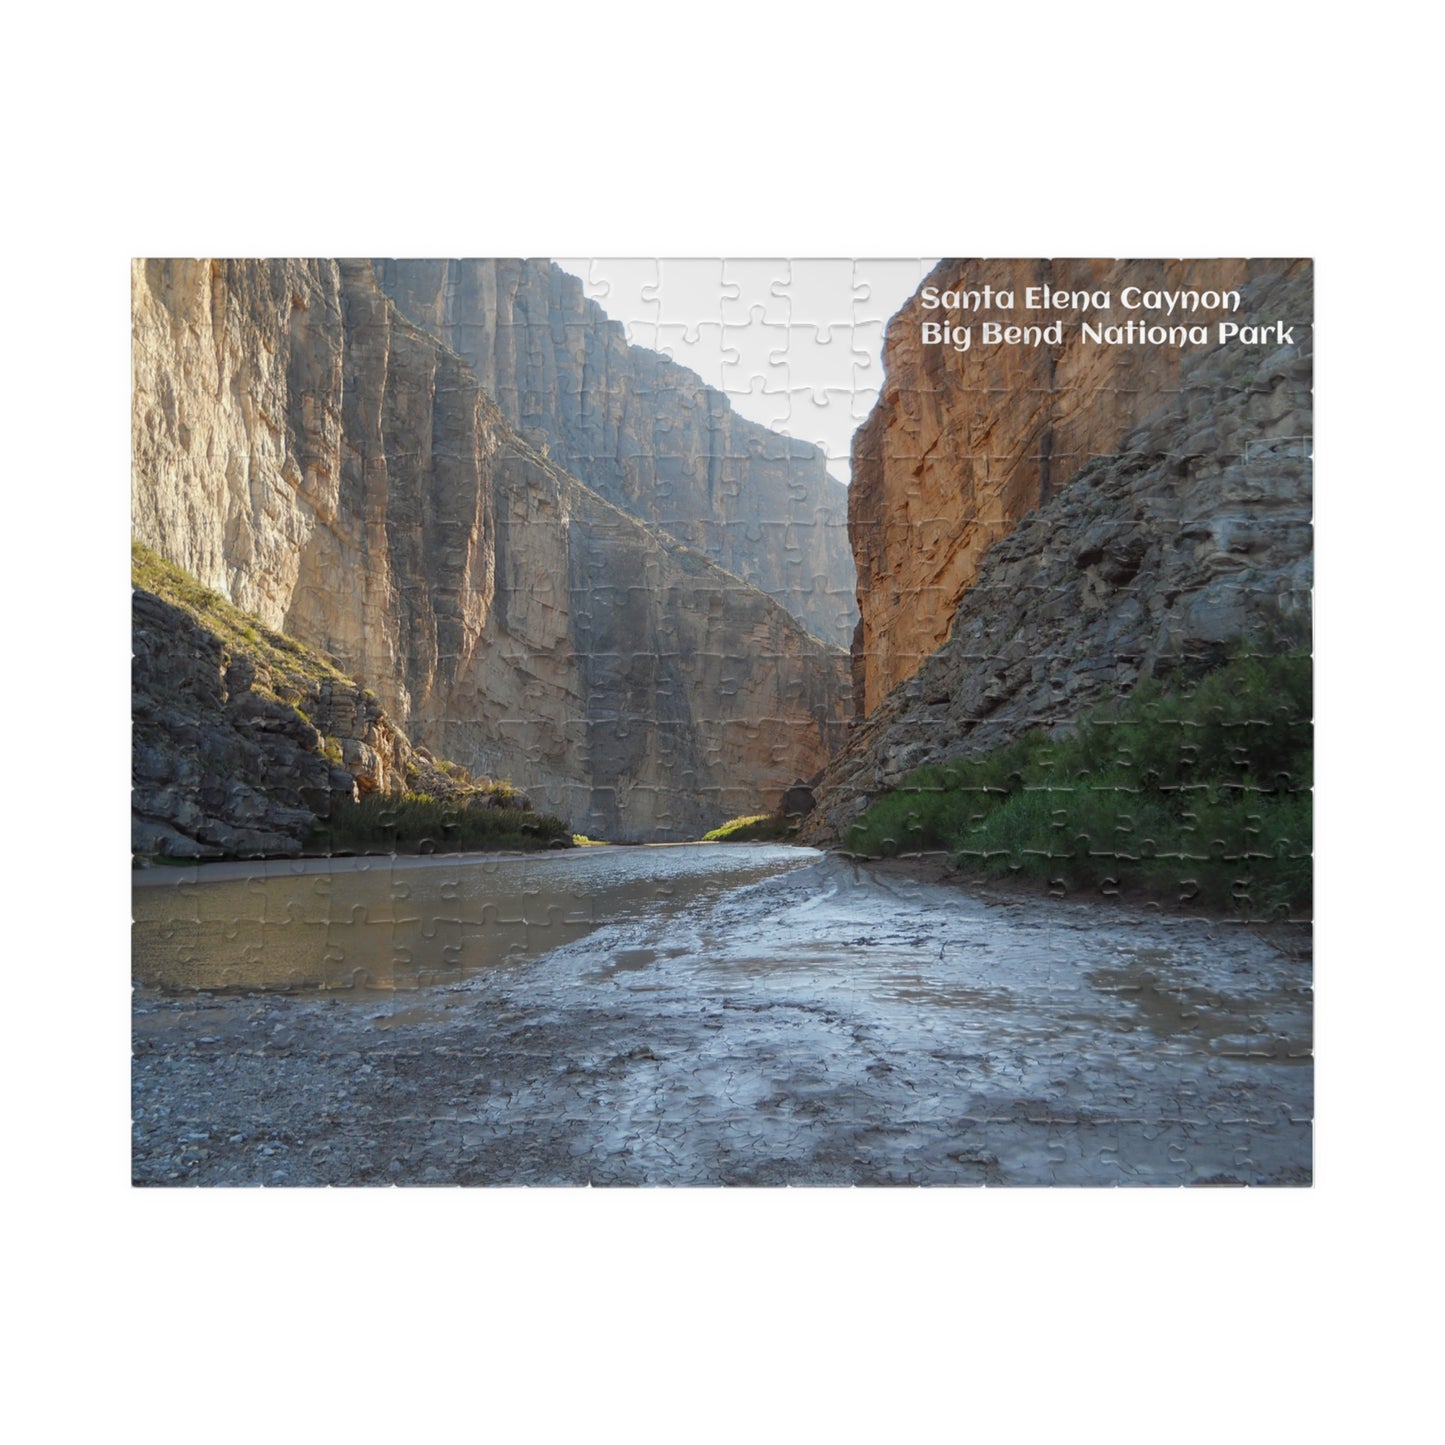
x=694, y=1014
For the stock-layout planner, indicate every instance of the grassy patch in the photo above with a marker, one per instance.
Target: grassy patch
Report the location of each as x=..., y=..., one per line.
x=1198, y=792
x=759, y=828
x=291, y=669
x=420, y=823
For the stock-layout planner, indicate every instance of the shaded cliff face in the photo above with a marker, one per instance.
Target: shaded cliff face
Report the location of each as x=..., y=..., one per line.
x=962, y=444
x=1192, y=534
x=658, y=694
x=644, y=433
x=320, y=461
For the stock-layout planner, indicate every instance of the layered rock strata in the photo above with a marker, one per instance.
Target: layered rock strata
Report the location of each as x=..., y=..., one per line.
x=1193, y=536
x=320, y=461
x=644, y=433
x=962, y=444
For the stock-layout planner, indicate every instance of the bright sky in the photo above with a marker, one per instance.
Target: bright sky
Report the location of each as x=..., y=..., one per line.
x=795, y=344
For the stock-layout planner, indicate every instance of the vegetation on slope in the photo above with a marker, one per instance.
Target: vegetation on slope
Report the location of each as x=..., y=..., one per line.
x=1200, y=793
x=443, y=809
x=293, y=670
x=420, y=823
x=758, y=828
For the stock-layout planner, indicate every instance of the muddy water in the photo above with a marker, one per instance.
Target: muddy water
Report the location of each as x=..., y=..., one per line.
x=736, y=1016
x=405, y=923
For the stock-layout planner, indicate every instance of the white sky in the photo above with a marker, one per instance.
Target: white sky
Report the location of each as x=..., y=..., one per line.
x=795, y=344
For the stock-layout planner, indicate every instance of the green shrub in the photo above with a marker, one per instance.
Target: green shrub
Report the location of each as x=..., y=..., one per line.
x=420, y=823
x=1197, y=791
x=757, y=828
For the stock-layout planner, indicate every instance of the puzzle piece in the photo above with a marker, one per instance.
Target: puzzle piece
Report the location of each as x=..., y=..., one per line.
x=435, y=529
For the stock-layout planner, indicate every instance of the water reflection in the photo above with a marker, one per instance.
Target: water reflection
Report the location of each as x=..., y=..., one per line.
x=405, y=923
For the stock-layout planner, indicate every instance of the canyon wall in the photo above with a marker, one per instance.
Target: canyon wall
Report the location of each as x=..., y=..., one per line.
x=963, y=444
x=656, y=693
x=305, y=451
x=644, y=433
x=1186, y=536
x=316, y=461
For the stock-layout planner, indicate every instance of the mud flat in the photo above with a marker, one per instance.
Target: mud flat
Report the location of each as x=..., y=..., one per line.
x=830, y=1023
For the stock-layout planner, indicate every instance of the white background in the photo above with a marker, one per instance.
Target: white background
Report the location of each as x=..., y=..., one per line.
x=904, y=129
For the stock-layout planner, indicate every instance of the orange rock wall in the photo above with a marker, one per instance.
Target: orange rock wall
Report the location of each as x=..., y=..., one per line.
x=963, y=444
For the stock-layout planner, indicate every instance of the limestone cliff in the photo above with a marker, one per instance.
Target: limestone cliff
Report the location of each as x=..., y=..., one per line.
x=644, y=433
x=962, y=444
x=314, y=462
x=629, y=682
x=1192, y=532
x=320, y=461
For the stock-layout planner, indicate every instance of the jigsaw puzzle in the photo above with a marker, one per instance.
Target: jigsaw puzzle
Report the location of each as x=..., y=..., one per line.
x=722, y=722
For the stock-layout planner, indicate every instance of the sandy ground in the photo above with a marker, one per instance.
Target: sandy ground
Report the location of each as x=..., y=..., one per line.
x=836, y=1024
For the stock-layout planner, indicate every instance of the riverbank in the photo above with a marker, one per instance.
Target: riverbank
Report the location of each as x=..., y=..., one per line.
x=1195, y=790
x=1294, y=937
x=834, y=1024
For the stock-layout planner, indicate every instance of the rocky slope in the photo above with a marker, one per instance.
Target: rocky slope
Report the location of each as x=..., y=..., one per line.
x=1193, y=532
x=242, y=738
x=319, y=461
x=644, y=433
x=962, y=444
